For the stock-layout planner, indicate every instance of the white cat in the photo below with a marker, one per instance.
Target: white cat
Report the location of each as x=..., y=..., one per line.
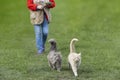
x=74, y=59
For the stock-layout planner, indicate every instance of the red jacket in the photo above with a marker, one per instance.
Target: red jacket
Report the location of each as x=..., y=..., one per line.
x=33, y=6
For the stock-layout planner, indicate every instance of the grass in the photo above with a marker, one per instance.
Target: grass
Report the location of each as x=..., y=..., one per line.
x=94, y=23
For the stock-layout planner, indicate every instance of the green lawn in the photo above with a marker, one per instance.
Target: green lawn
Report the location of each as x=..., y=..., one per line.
x=95, y=23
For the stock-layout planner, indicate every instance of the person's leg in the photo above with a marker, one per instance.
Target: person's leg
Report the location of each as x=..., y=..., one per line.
x=38, y=35
x=45, y=31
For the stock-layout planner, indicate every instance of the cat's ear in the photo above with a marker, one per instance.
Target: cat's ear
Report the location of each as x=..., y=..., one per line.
x=79, y=54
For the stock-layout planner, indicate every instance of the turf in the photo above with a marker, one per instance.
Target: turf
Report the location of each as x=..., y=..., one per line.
x=94, y=23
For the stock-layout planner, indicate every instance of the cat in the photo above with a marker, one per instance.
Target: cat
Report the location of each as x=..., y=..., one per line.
x=54, y=57
x=74, y=59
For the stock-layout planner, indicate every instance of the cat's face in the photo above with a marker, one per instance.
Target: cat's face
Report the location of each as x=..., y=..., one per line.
x=78, y=57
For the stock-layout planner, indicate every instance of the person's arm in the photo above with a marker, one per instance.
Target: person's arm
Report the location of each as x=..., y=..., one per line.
x=31, y=5
x=51, y=5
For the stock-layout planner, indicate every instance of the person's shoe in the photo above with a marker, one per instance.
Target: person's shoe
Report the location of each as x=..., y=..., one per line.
x=40, y=51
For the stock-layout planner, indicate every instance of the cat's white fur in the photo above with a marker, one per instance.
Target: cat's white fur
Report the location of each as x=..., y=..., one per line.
x=74, y=58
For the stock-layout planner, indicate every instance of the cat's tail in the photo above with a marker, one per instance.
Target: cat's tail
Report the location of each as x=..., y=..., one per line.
x=72, y=48
x=53, y=44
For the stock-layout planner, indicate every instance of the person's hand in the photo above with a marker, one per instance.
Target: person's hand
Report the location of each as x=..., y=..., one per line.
x=39, y=7
x=48, y=3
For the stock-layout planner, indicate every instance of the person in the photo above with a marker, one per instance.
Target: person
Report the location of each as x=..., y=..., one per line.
x=40, y=17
